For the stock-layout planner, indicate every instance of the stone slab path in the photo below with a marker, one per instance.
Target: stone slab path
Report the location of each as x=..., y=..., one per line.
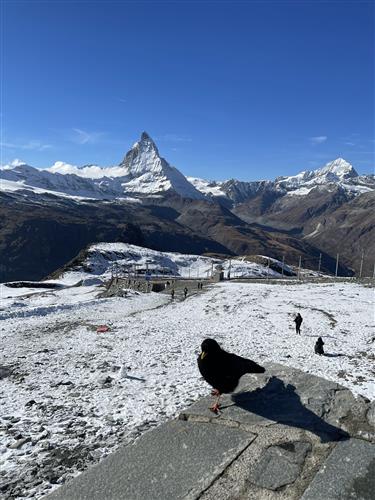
x=284, y=434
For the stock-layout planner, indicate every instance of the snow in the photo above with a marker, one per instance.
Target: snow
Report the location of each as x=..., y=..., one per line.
x=12, y=186
x=357, y=188
x=303, y=191
x=60, y=362
x=88, y=172
x=211, y=188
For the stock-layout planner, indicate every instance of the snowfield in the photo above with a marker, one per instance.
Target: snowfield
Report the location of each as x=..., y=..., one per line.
x=75, y=395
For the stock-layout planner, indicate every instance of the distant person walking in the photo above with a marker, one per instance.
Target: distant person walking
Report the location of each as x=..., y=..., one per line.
x=185, y=292
x=319, y=346
x=172, y=293
x=298, y=321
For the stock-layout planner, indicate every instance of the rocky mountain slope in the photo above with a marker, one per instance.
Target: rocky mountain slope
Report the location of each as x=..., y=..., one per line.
x=50, y=215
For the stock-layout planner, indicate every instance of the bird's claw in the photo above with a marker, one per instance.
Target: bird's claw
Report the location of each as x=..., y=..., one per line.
x=215, y=392
x=215, y=408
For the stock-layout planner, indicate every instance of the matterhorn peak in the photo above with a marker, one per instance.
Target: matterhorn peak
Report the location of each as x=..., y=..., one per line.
x=143, y=151
x=147, y=172
x=147, y=143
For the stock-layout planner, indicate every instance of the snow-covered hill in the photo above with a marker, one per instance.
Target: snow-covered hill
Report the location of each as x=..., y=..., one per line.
x=101, y=260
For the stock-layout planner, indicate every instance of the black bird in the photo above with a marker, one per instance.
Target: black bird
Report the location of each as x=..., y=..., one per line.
x=222, y=369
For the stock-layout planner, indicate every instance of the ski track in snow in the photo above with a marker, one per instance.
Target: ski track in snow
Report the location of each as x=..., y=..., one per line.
x=60, y=362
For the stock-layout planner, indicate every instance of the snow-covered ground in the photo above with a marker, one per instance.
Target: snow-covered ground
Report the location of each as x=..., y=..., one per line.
x=78, y=394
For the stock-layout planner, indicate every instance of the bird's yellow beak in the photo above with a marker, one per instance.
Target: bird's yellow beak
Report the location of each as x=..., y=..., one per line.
x=203, y=354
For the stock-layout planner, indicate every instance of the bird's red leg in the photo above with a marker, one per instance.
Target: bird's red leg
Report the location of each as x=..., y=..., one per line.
x=215, y=407
x=215, y=392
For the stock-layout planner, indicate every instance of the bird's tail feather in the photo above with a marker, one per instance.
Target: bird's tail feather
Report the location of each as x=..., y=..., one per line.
x=254, y=367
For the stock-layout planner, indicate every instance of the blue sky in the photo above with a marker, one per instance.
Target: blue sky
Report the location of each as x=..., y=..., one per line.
x=242, y=89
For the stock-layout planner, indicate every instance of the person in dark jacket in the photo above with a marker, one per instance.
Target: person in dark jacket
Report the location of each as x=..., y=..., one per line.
x=319, y=346
x=172, y=293
x=185, y=292
x=298, y=321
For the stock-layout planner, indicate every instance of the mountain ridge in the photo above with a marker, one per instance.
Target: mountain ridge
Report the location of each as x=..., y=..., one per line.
x=143, y=172
x=144, y=200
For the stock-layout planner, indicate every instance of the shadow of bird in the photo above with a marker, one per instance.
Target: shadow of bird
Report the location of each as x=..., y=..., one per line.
x=223, y=370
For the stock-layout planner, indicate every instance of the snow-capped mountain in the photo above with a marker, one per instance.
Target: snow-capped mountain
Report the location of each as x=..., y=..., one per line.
x=147, y=172
x=143, y=172
x=24, y=177
x=338, y=172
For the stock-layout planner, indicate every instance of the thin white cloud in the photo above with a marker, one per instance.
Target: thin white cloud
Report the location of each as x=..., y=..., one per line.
x=84, y=137
x=318, y=139
x=30, y=145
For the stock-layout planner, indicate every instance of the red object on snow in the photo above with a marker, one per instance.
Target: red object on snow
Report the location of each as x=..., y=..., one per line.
x=102, y=329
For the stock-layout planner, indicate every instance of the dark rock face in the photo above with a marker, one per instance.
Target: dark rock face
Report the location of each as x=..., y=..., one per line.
x=42, y=233
x=38, y=236
x=350, y=229
x=333, y=220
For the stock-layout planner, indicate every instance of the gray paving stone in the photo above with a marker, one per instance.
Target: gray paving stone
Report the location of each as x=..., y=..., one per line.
x=371, y=415
x=270, y=398
x=353, y=414
x=348, y=473
x=176, y=460
x=280, y=465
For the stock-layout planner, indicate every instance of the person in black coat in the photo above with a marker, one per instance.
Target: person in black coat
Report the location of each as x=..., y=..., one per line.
x=298, y=321
x=319, y=346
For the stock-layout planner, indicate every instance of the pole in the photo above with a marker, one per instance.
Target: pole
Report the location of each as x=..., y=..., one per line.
x=361, y=266
x=337, y=265
x=320, y=262
x=299, y=267
x=268, y=267
x=282, y=269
